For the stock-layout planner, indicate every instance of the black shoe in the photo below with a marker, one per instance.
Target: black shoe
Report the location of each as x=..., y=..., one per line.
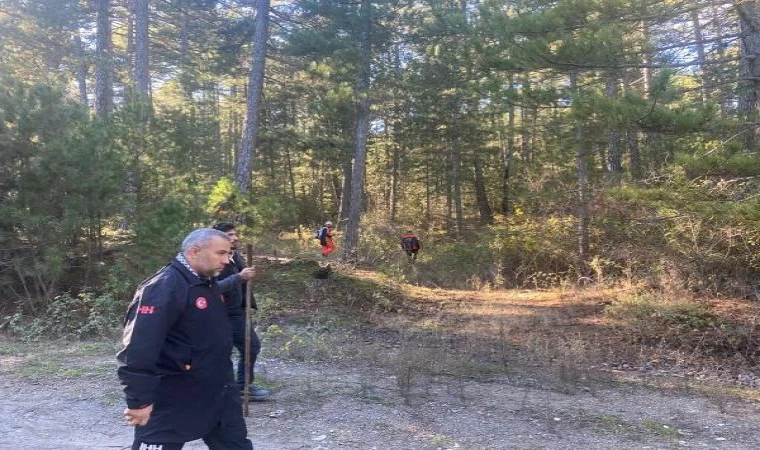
x=257, y=394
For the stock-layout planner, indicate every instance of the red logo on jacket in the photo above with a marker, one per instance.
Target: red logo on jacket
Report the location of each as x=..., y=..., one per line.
x=201, y=303
x=146, y=309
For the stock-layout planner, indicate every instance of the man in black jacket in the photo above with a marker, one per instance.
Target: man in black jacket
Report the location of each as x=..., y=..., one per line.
x=175, y=365
x=233, y=289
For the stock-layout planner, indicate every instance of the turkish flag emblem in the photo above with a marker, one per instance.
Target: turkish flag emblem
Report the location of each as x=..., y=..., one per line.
x=201, y=303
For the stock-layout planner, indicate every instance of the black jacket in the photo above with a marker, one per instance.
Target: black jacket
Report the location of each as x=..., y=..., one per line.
x=176, y=356
x=233, y=287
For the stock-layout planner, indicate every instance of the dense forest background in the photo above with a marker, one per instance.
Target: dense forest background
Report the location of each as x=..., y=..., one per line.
x=530, y=143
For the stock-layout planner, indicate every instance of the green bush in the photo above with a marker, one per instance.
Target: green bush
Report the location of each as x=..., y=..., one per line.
x=686, y=234
x=455, y=264
x=67, y=316
x=531, y=251
x=684, y=324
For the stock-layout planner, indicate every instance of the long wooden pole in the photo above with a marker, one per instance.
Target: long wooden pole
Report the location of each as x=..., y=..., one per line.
x=248, y=299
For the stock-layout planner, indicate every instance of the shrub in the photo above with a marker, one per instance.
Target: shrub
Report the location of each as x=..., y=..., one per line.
x=68, y=316
x=533, y=251
x=685, y=324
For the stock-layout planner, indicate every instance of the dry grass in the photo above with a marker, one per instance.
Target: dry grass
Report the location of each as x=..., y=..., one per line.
x=566, y=336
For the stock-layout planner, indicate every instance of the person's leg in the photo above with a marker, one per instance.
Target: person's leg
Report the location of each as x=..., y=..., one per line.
x=231, y=432
x=329, y=247
x=238, y=341
x=255, y=349
x=256, y=393
x=140, y=445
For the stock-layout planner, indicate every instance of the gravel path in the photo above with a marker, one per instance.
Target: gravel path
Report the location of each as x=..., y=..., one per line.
x=336, y=406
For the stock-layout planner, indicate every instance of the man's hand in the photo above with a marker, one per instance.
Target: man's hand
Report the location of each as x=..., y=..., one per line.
x=138, y=417
x=248, y=273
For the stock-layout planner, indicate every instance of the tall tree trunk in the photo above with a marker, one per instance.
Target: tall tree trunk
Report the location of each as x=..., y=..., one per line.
x=456, y=181
x=103, y=59
x=291, y=178
x=255, y=88
x=345, y=195
x=447, y=182
x=428, y=193
x=337, y=190
x=362, y=127
x=506, y=171
x=508, y=149
x=184, y=45
x=236, y=132
x=749, y=95
x=129, y=85
x=646, y=57
x=395, y=167
x=583, y=197
x=133, y=184
x=81, y=69
x=397, y=136
x=632, y=135
x=650, y=137
x=486, y=216
x=525, y=140
x=614, y=155
x=701, y=59
x=717, y=21
x=142, y=50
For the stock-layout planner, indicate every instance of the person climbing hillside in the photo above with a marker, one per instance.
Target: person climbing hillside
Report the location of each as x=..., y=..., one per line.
x=410, y=243
x=326, y=239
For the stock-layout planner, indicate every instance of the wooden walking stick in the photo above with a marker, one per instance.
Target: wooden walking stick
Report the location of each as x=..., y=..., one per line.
x=248, y=300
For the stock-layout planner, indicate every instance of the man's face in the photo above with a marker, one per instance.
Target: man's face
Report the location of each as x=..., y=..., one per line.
x=233, y=235
x=210, y=259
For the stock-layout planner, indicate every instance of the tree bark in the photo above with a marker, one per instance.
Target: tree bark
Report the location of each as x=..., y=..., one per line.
x=456, y=181
x=614, y=154
x=184, y=45
x=525, y=141
x=447, y=182
x=345, y=194
x=428, y=193
x=103, y=59
x=646, y=58
x=255, y=88
x=129, y=86
x=486, y=215
x=142, y=50
x=81, y=69
x=701, y=58
x=395, y=166
x=749, y=95
x=717, y=21
x=582, y=175
x=508, y=149
x=362, y=128
x=632, y=136
x=397, y=136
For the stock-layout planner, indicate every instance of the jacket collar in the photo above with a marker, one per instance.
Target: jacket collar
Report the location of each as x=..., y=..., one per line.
x=189, y=274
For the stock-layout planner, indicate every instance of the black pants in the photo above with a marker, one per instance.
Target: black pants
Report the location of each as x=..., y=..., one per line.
x=238, y=340
x=230, y=432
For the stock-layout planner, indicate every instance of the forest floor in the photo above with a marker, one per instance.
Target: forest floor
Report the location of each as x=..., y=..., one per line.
x=356, y=362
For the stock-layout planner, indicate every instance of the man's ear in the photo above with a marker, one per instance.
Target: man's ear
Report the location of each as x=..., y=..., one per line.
x=193, y=251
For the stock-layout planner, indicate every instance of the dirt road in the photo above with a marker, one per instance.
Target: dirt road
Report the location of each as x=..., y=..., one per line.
x=337, y=406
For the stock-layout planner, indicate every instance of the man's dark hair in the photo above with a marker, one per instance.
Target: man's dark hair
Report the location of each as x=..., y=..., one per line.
x=224, y=226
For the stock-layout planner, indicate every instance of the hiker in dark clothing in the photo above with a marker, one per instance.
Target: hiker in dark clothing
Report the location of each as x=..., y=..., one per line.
x=175, y=365
x=232, y=286
x=410, y=243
